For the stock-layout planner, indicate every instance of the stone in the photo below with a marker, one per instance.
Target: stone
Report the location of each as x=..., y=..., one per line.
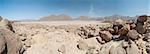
x=133, y=34
x=116, y=28
x=120, y=21
x=14, y=45
x=117, y=49
x=4, y=23
x=99, y=39
x=132, y=26
x=91, y=50
x=146, y=37
x=125, y=44
x=111, y=30
x=112, y=47
x=140, y=28
x=2, y=44
x=62, y=49
x=142, y=18
x=132, y=49
x=123, y=31
x=82, y=46
x=106, y=35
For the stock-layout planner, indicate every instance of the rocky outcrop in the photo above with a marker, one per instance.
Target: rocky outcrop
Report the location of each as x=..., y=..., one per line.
x=10, y=43
x=124, y=37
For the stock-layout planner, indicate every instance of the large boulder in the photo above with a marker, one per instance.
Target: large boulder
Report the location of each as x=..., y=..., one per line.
x=140, y=28
x=4, y=23
x=82, y=45
x=117, y=49
x=9, y=41
x=13, y=44
x=132, y=49
x=112, y=47
x=142, y=18
x=141, y=24
x=106, y=35
x=133, y=34
x=2, y=45
x=122, y=31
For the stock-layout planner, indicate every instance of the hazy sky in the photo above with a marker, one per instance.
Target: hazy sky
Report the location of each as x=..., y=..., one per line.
x=28, y=9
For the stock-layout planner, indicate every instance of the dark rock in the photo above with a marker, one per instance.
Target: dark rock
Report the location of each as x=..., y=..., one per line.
x=106, y=35
x=133, y=34
x=142, y=18
x=140, y=28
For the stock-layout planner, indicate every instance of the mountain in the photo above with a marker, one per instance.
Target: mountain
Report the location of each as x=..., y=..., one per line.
x=61, y=17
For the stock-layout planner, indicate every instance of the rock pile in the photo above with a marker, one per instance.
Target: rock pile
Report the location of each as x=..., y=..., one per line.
x=123, y=37
x=9, y=42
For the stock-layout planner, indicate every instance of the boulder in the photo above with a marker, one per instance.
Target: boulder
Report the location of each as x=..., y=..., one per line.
x=123, y=31
x=120, y=21
x=132, y=26
x=4, y=23
x=92, y=50
x=132, y=49
x=142, y=18
x=111, y=30
x=116, y=28
x=99, y=39
x=106, y=35
x=147, y=37
x=14, y=45
x=117, y=49
x=125, y=44
x=2, y=44
x=82, y=45
x=62, y=49
x=112, y=47
x=133, y=34
x=140, y=28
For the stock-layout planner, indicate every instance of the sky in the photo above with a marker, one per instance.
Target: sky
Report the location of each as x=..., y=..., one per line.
x=34, y=9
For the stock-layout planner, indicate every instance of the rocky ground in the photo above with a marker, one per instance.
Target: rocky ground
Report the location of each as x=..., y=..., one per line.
x=56, y=37
x=85, y=37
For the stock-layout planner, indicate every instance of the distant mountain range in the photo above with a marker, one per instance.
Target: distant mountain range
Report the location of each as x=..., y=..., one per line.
x=61, y=17
x=64, y=17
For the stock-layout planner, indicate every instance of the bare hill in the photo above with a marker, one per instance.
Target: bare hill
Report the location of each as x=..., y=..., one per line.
x=61, y=17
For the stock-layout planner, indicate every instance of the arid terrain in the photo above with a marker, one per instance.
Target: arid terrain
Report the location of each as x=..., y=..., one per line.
x=76, y=37
x=54, y=37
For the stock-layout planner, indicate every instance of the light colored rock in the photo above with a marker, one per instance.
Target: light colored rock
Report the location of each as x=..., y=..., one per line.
x=117, y=49
x=62, y=49
x=82, y=46
x=110, y=47
x=4, y=23
x=99, y=39
x=120, y=21
x=2, y=44
x=13, y=43
x=50, y=41
x=132, y=49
